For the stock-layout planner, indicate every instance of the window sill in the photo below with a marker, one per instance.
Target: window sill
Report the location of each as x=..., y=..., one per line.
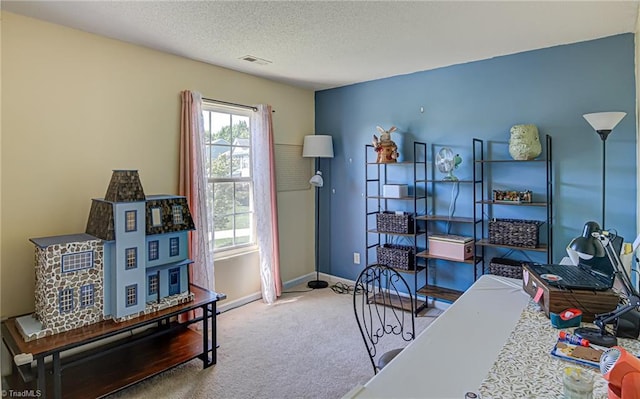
x=232, y=253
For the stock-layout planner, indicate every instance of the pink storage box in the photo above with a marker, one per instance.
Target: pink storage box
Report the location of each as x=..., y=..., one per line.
x=451, y=246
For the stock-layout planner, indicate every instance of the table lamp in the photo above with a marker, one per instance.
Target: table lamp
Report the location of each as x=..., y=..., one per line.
x=597, y=242
x=622, y=370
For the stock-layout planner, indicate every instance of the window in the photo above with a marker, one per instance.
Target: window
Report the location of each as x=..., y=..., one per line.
x=174, y=246
x=65, y=300
x=228, y=170
x=130, y=221
x=131, y=292
x=132, y=258
x=153, y=284
x=86, y=296
x=177, y=214
x=77, y=261
x=156, y=217
x=154, y=252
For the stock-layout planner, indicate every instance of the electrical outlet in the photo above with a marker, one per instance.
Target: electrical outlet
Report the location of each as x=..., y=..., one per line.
x=356, y=258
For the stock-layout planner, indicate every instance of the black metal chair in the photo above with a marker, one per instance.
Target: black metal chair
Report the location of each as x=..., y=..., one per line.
x=384, y=310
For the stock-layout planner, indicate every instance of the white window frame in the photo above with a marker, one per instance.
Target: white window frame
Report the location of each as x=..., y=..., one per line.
x=243, y=248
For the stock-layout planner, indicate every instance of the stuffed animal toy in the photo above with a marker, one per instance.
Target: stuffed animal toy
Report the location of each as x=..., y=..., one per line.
x=385, y=147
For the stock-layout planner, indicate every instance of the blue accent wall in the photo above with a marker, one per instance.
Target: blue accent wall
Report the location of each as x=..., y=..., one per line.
x=551, y=88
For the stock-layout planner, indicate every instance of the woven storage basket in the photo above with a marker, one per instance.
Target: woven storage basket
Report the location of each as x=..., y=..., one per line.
x=506, y=267
x=396, y=256
x=514, y=232
x=391, y=222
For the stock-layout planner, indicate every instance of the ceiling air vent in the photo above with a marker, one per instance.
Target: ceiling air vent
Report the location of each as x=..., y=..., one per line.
x=255, y=60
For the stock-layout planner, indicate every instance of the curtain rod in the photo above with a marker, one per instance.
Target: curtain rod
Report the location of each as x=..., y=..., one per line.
x=251, y=107
x=228, y=103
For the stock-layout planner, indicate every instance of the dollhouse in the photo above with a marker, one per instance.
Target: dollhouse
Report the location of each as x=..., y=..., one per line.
x=131, y=260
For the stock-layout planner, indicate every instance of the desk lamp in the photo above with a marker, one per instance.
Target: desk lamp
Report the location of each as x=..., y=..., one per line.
x=597, y=242
x=622, y=370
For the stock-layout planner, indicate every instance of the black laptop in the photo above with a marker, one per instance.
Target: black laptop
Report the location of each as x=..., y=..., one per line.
x=595, y=274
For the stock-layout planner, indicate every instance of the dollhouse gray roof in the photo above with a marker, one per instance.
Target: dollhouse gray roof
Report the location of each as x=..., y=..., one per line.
x=125, y=186
x=163, y=213
x=167, y=205
x=44, y=242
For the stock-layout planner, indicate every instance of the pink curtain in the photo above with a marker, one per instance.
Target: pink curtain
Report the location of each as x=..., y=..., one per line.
x=193, y=185
x=263, y=171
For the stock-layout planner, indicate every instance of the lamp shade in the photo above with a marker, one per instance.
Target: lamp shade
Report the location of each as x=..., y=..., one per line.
x=586, y=246
x=604, y=120
x=317, y=146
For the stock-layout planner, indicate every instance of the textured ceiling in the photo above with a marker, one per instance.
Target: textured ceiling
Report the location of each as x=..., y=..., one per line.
x=320, y=44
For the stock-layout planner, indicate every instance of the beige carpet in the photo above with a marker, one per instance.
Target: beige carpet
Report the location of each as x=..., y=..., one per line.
x=307, y=345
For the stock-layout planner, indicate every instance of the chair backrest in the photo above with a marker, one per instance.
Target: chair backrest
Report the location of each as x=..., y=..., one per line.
x=384, y=310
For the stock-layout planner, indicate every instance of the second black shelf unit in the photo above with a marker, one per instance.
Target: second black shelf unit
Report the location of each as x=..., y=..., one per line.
x=484, y=204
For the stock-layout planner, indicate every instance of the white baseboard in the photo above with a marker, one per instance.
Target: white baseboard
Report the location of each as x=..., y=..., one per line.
x=224, y=306
x=301, y=280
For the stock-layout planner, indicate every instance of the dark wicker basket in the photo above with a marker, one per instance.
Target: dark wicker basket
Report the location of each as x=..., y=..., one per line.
x=390, y=222
x=396, y=256
x=514, y=232
x=506, y=267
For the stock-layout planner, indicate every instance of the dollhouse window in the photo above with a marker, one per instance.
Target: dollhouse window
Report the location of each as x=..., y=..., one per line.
x=132, y=295
x=174, y=246
x=77, y=261
x=65, y=299
x=153, y=284
x=153, y=250
x=132, y=258
x=156, y=217
x=86, y=296
x=130, y=221
x=177, y=214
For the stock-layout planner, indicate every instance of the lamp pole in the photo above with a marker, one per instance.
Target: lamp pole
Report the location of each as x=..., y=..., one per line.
x=317, y=283
x=603, y=135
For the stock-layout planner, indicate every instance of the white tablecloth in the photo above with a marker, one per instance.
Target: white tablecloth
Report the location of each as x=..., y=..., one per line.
x=453, y=355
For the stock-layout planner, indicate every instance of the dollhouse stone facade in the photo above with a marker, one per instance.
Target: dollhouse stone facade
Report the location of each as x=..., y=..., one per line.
x=68, y=287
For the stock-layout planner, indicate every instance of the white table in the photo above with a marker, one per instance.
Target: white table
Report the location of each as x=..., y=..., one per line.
x=453, y=354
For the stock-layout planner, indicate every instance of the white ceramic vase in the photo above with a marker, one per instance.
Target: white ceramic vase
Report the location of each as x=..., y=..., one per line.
x=524, y=143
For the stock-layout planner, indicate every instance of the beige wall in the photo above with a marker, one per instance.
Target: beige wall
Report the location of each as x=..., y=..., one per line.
x=76, y=105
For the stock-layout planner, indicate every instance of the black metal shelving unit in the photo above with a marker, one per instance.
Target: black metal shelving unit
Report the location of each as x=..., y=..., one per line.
x=436, y=215
x=484, y=205
x=376, y=176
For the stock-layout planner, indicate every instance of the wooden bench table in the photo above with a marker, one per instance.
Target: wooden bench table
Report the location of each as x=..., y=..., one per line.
x=117, y=357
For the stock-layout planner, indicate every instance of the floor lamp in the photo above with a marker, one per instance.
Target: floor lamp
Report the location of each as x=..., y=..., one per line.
x=317, y=146
x=603, y=123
